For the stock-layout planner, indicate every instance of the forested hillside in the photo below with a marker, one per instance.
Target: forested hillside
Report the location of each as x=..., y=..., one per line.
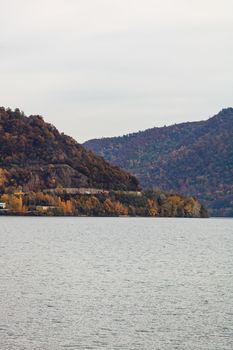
x=35, y=156
x=191, y=158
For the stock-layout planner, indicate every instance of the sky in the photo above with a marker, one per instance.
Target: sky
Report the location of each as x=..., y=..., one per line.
x=97, y=68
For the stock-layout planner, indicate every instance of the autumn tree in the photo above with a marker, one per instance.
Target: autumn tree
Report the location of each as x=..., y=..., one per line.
x=153, y=210
x=120, y=209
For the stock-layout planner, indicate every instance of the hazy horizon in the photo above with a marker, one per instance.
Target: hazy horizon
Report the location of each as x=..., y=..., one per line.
x=109, y=68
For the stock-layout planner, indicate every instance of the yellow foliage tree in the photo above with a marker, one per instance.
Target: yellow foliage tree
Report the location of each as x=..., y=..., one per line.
x=189, y=205
x=91, y=203
x=16, y=204
x=174, y=200
x=2, y=177
x=153, y=211
x=109, y=206
x=5, y=198
x=67, y=207
x=120, y=209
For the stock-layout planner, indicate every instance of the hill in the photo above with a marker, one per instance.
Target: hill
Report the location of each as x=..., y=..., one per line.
x=35, y=156
x=191, y=158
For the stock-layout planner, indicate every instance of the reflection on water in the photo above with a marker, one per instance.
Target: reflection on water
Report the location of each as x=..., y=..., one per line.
x=109, y=283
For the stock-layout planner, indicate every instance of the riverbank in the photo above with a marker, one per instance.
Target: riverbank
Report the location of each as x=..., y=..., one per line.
x=102, y=204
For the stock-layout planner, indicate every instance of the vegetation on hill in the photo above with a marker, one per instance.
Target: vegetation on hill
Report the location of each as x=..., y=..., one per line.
x=114, y=203
x=44, y=172
x=190, y=158
x=35, y=156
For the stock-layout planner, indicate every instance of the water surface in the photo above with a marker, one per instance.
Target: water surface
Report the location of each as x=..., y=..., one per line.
x=116, y=283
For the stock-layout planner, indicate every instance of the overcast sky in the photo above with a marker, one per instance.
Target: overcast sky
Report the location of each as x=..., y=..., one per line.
x=98, y=68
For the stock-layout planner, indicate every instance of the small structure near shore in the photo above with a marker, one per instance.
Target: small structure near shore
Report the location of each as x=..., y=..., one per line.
x=45, y=208
x=78, y=190
x=2, y=205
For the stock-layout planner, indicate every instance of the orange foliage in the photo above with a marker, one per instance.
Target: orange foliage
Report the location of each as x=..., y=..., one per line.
x=152, y=207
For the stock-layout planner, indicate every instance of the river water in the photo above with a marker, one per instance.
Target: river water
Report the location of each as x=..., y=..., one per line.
x=116, y=283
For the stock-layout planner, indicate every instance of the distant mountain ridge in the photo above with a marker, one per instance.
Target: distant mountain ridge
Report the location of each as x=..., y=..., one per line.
x=191, y=158
x=35, y=156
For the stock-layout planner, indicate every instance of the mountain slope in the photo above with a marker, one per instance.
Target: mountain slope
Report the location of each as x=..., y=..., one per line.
x=34, y=155
x=191, y=158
